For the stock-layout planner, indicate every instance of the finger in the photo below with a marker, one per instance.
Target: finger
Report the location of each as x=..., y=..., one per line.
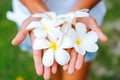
x=54, y=68
x=97, y=29
x=65, y=67
x=47, y=73
x=21, y=35
x=71, y=66
x=79, y=62
x=37, y=56
x=92, y=25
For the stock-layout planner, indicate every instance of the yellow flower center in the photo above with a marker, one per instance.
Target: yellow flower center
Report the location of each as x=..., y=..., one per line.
x=78, y=42
x=53, y=46
x=45, y=28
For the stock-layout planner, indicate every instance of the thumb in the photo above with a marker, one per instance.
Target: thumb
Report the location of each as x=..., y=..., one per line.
x=92, y=24
x=95, y=27
x=100, y=34
x=21, y=35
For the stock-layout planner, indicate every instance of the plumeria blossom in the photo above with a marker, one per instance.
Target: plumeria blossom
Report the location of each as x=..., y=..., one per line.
x=55, y=50
x=71, y=17
x=39, y=15
x=83, y=40
x=81, y=13
x=48, y=25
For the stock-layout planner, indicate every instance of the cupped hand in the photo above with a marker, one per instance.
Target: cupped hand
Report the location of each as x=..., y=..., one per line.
x=37, y=54
x=77, y=60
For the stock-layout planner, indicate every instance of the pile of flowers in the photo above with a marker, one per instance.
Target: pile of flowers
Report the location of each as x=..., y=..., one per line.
x=56, y=33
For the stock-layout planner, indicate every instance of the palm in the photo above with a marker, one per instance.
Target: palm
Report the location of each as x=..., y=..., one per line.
x=76, y=60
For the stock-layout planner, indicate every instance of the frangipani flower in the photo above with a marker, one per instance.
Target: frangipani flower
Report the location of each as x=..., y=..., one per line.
x=38, y=15
x=71, y=17
x=55, y=50
x=81, y=13
x=48, y=25
x=83, y=40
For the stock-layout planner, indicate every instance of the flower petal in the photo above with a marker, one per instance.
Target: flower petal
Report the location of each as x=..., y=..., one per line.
x=84, y=10
x=92, y=36
x=38, y=15
x=65, y=27
x=79, y=49
x=91, y=47
x=81, y=14
x=32, y=25
x=47, y=22
x=61, y=17
x=54, y=34
x=59, y=22
x=71, y=34
x=62, y=57
x=69, y=17
x=39, y=33
x=81, y=28
x=51, y=15
x=67, y=39
x=48, y=58
x=67, y=42
x=40, y=44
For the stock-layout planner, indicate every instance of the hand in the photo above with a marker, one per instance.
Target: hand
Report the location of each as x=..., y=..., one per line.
x=77, y=60
x=37, y=54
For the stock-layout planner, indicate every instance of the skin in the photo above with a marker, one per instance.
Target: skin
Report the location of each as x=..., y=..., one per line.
x=78, y=74
x=77, y=69
x=76, y=61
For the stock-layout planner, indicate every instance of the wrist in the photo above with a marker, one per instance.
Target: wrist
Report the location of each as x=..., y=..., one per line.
x=35, y=6
x=40, y=7
x=84, y=4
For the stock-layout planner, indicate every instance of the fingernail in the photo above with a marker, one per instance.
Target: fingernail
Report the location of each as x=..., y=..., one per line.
x=13, y=41
x=70, y=71
x=64, y=68
x=78, y=67
x=104, y=38
x=54, y=70
x=46, y=77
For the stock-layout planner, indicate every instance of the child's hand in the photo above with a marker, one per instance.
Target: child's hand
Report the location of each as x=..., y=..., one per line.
x=77, y=60
x=37, y=54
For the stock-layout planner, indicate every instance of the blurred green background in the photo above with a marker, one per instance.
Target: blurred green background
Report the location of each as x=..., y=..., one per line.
x=18, y=65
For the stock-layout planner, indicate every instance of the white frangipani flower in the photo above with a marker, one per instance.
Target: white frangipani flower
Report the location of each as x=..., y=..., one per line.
x=55, y=49
x=83, y=40
x=71, y=17
x=47, y=26
x=38, y=15
x=81, y=13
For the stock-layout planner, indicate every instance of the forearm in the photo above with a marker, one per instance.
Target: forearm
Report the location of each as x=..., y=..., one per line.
x=84, y=4
x=35, y=6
